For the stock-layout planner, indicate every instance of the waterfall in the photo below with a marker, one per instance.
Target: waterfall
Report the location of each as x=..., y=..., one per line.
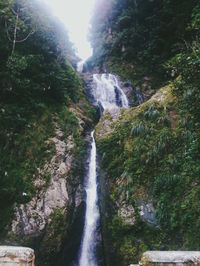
x=87, y=254
x=108, y=95
x=107, y=92
x=80, y=66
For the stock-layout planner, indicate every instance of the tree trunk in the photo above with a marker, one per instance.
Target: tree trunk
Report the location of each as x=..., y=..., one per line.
x=15, y=34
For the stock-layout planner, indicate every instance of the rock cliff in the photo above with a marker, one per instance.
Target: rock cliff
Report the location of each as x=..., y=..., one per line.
x=49, y=220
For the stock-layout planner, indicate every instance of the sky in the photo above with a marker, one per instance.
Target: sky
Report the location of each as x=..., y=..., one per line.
x=76, y=15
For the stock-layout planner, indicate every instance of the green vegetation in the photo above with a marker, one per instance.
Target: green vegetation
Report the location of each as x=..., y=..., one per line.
x=38, y=89
x=153, y=149
x=151, y=152
x=57, y=230
x=135, y=38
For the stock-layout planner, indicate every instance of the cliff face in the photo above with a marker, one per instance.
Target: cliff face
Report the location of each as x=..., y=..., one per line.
x=149, y=154
x=52, y=221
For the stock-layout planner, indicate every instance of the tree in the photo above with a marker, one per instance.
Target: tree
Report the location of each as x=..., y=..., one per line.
x=18, y=25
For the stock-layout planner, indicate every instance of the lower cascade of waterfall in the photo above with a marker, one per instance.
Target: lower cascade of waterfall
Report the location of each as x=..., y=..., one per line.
x=108, y=95
x=87, y=254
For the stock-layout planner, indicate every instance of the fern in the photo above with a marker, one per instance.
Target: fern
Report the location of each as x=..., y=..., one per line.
x=138, y=129
x=152, y=112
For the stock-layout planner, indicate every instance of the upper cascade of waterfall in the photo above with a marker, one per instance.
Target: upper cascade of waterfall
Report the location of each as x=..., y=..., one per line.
x=107, y=92
x=80, y=66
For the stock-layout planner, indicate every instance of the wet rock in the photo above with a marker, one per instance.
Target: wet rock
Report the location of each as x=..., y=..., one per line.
x=90, y=85
x=127, y=88
x=147, y=212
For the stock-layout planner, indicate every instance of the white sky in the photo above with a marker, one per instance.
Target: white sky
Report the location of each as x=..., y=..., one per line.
x=76, y=15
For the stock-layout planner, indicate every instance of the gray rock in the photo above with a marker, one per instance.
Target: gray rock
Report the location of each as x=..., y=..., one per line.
x=13, y=256
x=32, y=218
x=127, y=213
x=147, y=212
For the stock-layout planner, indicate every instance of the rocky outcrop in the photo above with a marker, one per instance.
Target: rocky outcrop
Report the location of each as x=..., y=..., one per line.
x=13, y=256
x=147, y=212
x=104, y=127
x=52, y=221
x=32, y=218
x=127, y=213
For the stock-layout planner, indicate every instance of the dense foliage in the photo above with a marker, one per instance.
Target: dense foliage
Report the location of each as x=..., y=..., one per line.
x=153, y=150
x=37, y=86
x=136, y=37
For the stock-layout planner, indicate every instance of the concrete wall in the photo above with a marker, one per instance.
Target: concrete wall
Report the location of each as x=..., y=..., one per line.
x=170, y=258
x=13, y=256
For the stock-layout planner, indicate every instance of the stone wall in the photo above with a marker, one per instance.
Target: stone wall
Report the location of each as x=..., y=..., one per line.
x=170, y=258
x=13, y=256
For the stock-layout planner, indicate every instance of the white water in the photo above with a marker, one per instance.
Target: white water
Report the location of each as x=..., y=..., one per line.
x=80, y=66
x=87, y=254
x=108, y=93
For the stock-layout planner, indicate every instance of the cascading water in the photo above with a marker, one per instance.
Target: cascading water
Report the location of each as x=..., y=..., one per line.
x=87, y=257
x=108, y=94
x=139, y=95
x=80, y=66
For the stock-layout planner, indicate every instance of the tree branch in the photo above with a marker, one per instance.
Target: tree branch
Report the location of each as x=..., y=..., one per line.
x=14, y=12
x=7, y=32
x=23, y=40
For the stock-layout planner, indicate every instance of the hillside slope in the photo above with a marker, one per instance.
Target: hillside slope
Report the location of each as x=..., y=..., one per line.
x=44, y=123
x=150, y=159
x=134, y=39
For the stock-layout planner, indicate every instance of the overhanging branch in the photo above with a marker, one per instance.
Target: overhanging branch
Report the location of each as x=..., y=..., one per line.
x=23, y=40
